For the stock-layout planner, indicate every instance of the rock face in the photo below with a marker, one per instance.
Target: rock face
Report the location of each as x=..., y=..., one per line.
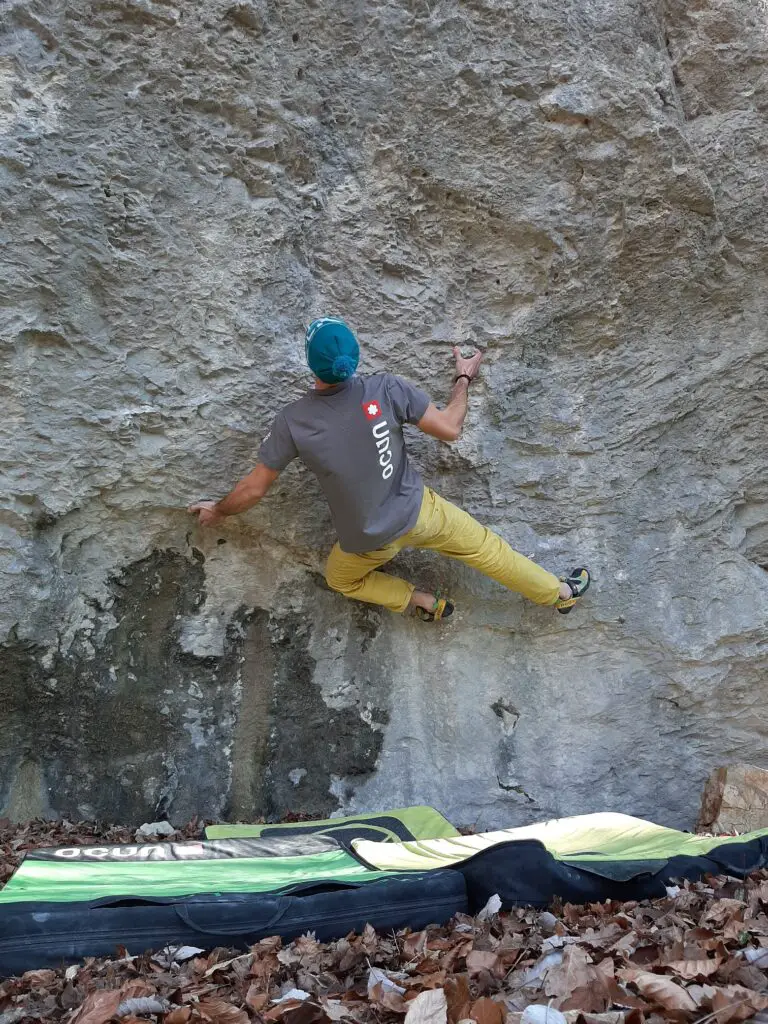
x=735, y=799
x=579, y=187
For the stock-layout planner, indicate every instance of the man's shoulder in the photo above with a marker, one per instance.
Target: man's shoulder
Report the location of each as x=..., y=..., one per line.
x=393, y=382
x=295, y=406
x=386, y=380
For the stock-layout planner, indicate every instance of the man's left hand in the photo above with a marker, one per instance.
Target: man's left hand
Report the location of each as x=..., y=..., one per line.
x=469, y=366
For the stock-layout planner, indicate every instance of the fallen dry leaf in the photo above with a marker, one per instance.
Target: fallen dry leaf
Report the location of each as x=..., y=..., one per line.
x=659, y=990
x=306, y=1013
x=457, y=997
x=734, y=1003
x=487, y=1011
x=690, y=970
x=136, y=988
x=618, y=996
x=38, y=979
x=429, y=1007
x=98, y=1007
x=278, y=1012
x=721, y=911
x=256, y=998
x=480, y=960
x=219, y=1011
x=180, y=1015
x=570, y=974
x=586, y=999
x=335, y=1009
x=415, y=944
x=387, y=998
x=224, y=965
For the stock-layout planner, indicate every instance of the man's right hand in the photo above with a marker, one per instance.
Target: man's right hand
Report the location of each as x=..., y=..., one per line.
x=206, y=513
x=469, y=366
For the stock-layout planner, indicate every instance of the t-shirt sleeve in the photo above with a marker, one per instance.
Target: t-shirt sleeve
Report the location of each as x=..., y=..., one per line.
x=277, y=448
x=409, y=402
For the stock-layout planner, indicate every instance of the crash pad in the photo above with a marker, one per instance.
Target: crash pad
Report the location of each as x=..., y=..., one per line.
x=589, y=840
x=46, y=934
x=176, y=869
x=583, y=858
x=399, y=825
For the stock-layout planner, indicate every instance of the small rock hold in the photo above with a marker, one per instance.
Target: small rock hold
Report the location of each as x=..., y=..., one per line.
x=247, y=16
x=547, y=923
x=151, y=829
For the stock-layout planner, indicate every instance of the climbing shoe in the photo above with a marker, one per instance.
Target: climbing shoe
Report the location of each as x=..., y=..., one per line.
x=442, y=609
x=578, y=581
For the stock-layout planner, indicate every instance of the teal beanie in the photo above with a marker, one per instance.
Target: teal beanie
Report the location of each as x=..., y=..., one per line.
x=332, y=350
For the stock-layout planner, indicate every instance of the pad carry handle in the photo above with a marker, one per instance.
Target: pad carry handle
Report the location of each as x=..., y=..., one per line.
x=118, y=902
x=250, y=919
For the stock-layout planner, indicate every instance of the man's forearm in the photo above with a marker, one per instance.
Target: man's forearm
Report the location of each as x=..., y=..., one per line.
x=243, y=496
x=456, y=410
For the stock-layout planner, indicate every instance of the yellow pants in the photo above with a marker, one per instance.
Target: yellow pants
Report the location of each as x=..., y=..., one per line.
x=442, y=527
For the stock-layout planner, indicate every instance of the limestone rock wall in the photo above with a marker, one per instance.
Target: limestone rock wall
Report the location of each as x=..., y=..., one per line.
x=578, y=186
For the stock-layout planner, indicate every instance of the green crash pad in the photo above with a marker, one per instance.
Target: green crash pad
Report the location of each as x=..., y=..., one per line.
x=615, y=846
x=399, y=825
x=69, y=874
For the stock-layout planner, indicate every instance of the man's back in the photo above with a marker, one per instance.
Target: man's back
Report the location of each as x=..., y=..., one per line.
x=351, y=437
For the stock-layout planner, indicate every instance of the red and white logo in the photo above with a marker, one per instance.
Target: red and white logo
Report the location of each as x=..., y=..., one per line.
x=371, y=409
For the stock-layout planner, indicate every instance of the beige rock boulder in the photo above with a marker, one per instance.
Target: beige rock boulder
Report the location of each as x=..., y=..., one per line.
x=735, y=799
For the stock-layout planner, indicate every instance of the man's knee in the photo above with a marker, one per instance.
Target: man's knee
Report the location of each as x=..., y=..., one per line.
x=336, y=579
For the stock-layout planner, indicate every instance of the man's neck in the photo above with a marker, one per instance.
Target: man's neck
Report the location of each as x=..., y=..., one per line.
x=320, y=385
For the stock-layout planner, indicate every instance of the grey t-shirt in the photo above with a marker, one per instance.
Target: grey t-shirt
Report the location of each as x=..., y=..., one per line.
x=351, y=437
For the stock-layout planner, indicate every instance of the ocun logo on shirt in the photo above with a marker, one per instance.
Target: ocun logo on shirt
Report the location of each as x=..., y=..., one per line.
x=380, y=431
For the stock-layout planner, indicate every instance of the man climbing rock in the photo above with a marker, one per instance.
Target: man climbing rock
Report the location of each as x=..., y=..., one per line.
x=349, y=431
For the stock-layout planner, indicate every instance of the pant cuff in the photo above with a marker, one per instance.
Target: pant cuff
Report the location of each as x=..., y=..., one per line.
x=407, y=600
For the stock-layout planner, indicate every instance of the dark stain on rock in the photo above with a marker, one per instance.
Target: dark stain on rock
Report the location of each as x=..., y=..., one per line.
x=129, y=726
x=126, y=723
x=309, y=742
x=251, y=735
x=506, y=712
x=367, y=618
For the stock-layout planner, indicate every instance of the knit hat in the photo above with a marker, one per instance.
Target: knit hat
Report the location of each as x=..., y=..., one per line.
x=332, y=350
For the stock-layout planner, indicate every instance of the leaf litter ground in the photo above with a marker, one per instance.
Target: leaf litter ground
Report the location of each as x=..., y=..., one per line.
x=699, y=955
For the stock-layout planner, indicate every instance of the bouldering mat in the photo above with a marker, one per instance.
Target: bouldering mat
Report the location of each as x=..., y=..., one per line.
x=180, y=869
x=399, y=825
x=581, y=859
x=35, y=935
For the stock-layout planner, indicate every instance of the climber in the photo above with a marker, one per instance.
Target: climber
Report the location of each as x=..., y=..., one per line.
x=348, y=431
